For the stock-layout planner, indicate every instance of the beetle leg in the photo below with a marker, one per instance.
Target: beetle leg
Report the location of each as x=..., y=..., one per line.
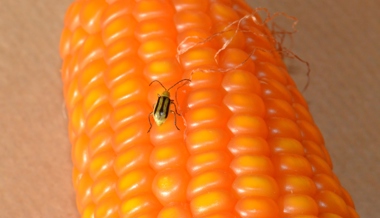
x=175, y=119
x=150, y=123
x=175, y=107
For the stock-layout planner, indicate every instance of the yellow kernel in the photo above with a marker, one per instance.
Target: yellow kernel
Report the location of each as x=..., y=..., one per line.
x=252, y=164
x=204, y=97
x=132, y=158
x=292, y=164
x=170, y=186
x=175, y=210
x=199, y=57
x=296, y=204
x=257, y=207
x=256, y=186
x=192, y=20
x=245, y=103
x=205, y=117
x=296, y=184
x=134, y=182
x=151, y=9
x=155, y=49
x=330, y=202
x=119, y=27
x=162, y=69
x=243, y=144
x=101, y=164
x=211, y=202
x=169, y=155
x=140, y=205
x=205, y=140
x=280, y=145
x=122, y=48
x=248, y=124
x=211, y=180
x=282, y=127
x=204, y=162
x=241, y=80
x=103, y=188
x=223, y=13
x=91, y=14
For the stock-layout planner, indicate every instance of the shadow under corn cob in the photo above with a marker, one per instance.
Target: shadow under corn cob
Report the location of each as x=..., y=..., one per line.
x=247, y=145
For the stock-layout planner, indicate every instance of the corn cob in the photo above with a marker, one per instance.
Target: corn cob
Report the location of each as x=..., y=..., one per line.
x=247, y=144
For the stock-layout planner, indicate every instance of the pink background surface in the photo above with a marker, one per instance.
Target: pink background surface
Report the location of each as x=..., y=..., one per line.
x=338, y=38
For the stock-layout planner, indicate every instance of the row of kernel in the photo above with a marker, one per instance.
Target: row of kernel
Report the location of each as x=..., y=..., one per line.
x=127, y=94
x=275, y=96
x=95, y=178
x=143, y=44
x=292, y=169
x=97, y=110
x=254, y=185
x=79, y=70
x=308, y=134
x=327, y=184
x=127, y=97
x=156, y=32
x=209, y=159
x=208, y=163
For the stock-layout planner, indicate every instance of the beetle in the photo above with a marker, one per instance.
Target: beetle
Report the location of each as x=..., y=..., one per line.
x=162, y=107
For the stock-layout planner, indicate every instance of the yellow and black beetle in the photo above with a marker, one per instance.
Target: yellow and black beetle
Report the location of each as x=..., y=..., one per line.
x=162, y=107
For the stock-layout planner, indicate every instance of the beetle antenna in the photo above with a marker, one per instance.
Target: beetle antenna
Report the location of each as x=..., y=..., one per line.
x=179, y=82
x=159, y=83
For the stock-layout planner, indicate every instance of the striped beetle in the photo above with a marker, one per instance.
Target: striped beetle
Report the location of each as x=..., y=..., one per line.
x=162, y=107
